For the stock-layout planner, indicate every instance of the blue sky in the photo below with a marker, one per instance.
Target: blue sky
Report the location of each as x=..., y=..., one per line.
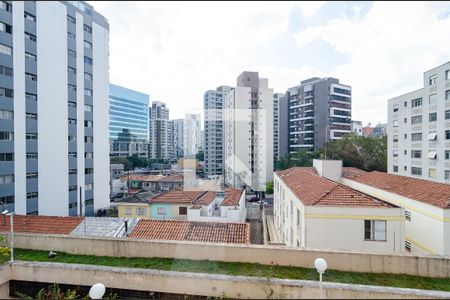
x=176, y=51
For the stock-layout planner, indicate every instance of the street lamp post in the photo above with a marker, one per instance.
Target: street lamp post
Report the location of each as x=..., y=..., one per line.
x=11, y=232
x=321, y=266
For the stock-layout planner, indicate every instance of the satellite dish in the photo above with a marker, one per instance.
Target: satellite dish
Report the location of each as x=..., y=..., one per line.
x=97, y=291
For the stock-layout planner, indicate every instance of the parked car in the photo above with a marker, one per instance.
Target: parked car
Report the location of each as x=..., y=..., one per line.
x=253, y=199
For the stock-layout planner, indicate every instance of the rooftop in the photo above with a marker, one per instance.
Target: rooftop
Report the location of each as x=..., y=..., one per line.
x=104, y=227
x=198, y=197
x=315, y=190
x=217, y=232
x=153, y=178
x=41, y=224
x=432, y=193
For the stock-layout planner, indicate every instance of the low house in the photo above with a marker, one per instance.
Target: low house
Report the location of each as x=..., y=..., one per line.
x=313, y=210
x=135, y=206
x=154, y=183
x=426, y=207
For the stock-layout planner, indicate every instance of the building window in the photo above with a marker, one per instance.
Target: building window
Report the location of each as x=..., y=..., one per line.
x=5, y=6
x=71, y=35
x=433, y=117
x=405, y=152
x=407, y=246
x=7, y=71
x=447, y=174
x=161, y=210
x=432, y=80
x=88, y=155
x=72, y=138
x=30, y=37
x=128, y=211
x=72, y=188
x=407, y=215
x=416, y=153
x=6, y=136
x=87, y=45
x=31, y=77
x=405, y=120
x=6, y=114
x=432, y=173
x=447, y=114
x=88, y=108
x=88, y=139
x=71, y=19
x=395, y=169
x=89, y=171
x=447, y=154
x=88, y=124
x=72, y=171
x=395, y=123
x=433, y=99
x=5, y=179
x=447, y=134
x=140, y=211
x=32, y=195
x=30, y=116
x=72, y=70
x=416, y=137
x=72, y=53
x=73, y=205
x=72, y=155
x=405, y=136
x=374, y=230
x=182, y=210
x=87, y=92
x=32, y=155
x=71, y=104
x=72, y=121
x=395, y=153
x=416, y=171
x=88, y=76
x=5, y=27
x=30, y=56
x=416, y=120
x=447, y=75
x=89, y=202
x=87, y=28
x=395, y=107
x=6, y=156
x=7, y=199
x=88, y=186
x=31, y=136
x=405, y=104
x=30, y=17
x=32, y=97
x=395, y=139
x=416, y=102
x=5, y=49
x=87, y=60
x=72, y=87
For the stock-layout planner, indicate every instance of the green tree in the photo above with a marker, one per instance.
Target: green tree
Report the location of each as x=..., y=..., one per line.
x=269, y=187
x=301, y=158
x=137, y=161
x=200, y=155
x=122, y=160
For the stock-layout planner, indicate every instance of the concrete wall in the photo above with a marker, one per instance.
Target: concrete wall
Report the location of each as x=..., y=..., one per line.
x=331, y=169
x=201, y=284
x=432, y=266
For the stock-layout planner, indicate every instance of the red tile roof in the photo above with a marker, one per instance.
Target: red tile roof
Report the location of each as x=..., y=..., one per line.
x=216, y=232
x=313, y=189
x=350, y=172
x=41, y=224
x=232, y=197
x=178, y=195
x=433, y=193
x=153, y=178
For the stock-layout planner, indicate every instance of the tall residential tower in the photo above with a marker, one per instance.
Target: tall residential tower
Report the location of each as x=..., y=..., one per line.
x=160, y=132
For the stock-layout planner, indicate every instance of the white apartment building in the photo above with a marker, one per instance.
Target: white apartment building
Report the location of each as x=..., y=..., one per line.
x=53, y=108
x=191, y=135
x=160, y=132
x=213, y=104
x=357, y=127
x=177, y=137
x=419, y=129
x=276, y=125
x=426, y=206
x=248, y=133
x=313, y=210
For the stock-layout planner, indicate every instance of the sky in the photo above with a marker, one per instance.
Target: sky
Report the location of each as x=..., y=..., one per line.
x=175, y=51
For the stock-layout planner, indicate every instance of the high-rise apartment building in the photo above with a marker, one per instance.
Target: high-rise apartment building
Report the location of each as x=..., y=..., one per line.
x=276, y=99
x=249, y=133
x=53, y=118
x=160, y=132
x=191, y=135
x=213, y=103
x=177, y=126
x=128, y=122
x=283, y=127
x=357, y=127
x=419, y=129
x=320, y=110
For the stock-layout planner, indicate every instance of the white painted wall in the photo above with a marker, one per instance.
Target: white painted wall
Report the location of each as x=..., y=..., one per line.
x=331, y=169
x=19, y=108
x=52, y=107
x=100, y=55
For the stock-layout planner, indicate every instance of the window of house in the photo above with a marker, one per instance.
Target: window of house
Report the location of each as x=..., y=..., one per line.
x=6, y=156
x=395, y=169
x=416, y=120
x=432, y=173
x=6, y=136
x=128, y=211
x=395, y=123
x=182, y=210
x=416, y=102
x=30, y=56
x=5, y=27
x=432, y=80
x=416, y=153
x=395, y=107
x=405, y=120
x=407, y=246
x=375, y=230
x=30, y=17
x=416, y=171
x=161, y=210
x=5, y=49
x=140, y=211
x=6, y=114
x=407, y=215
x=5, y=179
x=31, y=155
x=433, y=117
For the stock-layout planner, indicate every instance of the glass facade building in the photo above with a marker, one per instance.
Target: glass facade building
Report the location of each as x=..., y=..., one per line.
x=128, y=124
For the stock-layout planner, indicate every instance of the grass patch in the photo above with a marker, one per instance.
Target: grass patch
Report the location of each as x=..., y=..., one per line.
x=244, y=269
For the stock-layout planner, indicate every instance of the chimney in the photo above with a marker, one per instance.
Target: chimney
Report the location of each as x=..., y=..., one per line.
x=330, y=169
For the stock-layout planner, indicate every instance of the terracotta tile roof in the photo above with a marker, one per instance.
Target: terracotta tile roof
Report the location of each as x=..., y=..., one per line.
x=215, y=232
x=232, y=197
x=204, y=198
x=350, y=172
x=41, y=224
x=153, y=178
x=313, y=189
x=433, y=193
x=178, y=195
